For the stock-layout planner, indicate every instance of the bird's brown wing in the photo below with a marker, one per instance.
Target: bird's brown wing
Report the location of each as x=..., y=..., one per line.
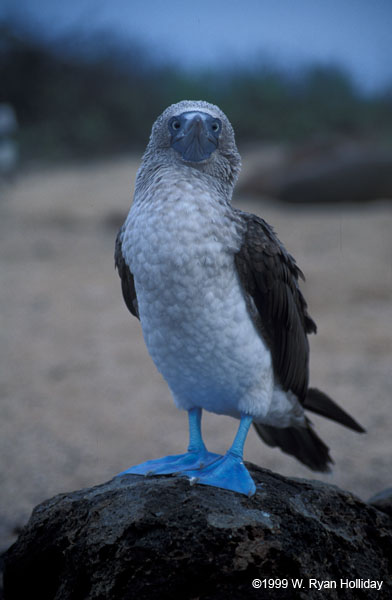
x=269, y=276
x=127, y=282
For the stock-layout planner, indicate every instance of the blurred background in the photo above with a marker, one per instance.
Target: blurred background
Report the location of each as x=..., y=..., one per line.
x=308, y=89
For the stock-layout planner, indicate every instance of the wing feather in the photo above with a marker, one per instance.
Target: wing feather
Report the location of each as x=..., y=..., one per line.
x=269, y=275
x=127, y=282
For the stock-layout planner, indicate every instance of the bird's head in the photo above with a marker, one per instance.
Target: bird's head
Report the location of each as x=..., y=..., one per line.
x=199, y=135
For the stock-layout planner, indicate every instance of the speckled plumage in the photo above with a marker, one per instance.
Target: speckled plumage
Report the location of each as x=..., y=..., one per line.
x=180, y=249
x=217, y=294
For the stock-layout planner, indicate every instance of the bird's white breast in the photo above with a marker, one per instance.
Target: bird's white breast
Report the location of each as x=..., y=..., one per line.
x=179, y=243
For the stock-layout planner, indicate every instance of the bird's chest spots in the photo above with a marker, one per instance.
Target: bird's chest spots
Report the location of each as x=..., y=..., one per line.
x=192, y=310
x=181, y=254
x=179, y=247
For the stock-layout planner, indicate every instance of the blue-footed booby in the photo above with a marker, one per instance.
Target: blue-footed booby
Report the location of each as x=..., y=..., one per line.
x=219, y=303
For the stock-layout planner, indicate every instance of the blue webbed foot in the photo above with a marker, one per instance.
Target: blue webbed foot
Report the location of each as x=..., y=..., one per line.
x=176, y=463
x=228, y=472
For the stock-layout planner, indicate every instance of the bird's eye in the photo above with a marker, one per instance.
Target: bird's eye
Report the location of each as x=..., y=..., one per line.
x=215, y=126
x=176, y=125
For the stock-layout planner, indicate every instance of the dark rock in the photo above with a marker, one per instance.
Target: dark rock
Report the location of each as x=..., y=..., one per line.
x=382, y=501
x=330, y=173
x=158, y=537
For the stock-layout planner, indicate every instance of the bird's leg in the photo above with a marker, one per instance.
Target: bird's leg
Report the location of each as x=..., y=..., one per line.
x=229, y=471
x=196, y=443
x=197, y=456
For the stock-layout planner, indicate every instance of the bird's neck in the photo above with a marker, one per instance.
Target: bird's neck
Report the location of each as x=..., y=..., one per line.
x=152, y=174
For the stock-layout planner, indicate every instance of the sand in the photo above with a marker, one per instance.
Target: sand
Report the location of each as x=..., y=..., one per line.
x=80, y=398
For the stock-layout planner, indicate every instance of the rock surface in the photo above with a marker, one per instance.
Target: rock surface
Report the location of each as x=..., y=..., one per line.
x=323, y=174
x=382, y=501
x=158, y=537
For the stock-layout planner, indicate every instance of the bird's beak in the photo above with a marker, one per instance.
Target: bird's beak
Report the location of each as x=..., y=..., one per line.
x=194, y=135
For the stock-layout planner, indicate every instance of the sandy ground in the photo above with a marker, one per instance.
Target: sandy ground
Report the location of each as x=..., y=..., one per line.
x=80, y=398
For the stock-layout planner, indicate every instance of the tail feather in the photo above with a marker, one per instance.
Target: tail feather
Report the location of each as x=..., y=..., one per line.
x=301, y=442
x=323, y=405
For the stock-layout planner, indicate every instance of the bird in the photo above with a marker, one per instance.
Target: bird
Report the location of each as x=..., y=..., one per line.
x=219, y=303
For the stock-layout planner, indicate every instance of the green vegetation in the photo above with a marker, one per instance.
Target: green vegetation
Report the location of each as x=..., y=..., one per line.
x=97, y=97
